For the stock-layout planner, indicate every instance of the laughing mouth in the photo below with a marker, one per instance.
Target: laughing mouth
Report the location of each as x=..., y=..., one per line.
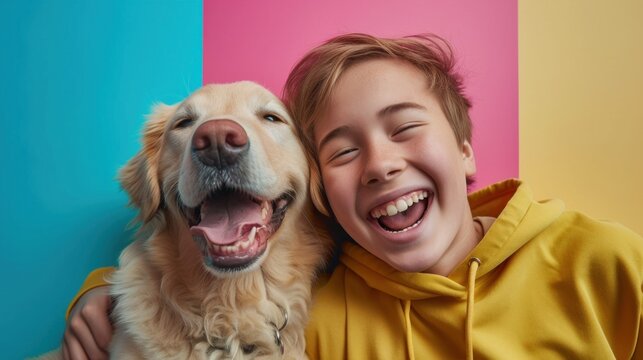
x=403, y=213
x=232, y=227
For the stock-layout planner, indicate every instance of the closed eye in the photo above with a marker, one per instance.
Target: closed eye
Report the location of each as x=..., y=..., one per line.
x=342, y=155
x=184, y=123
x=406, y=127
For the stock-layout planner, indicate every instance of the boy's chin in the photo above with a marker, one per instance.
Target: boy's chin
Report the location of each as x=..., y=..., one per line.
x=412, y=266
x=410, y=258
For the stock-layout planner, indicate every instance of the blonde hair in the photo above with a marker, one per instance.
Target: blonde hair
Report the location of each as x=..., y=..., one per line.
x=311, y=82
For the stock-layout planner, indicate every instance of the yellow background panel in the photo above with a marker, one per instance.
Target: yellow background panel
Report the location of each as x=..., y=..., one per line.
x=581, y=105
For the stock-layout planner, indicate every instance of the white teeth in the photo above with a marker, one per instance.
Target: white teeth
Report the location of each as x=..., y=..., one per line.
x=264, y=213
x=251, y=238
x=400, y=205
x=226, y=249
x=253, y=232
x=244, y=245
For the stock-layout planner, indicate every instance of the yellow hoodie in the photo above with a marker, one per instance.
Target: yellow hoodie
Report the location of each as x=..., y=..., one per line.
x=547, y=283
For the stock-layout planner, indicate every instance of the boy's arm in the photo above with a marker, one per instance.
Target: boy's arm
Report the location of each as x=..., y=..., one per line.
x=89, y=331
x=95, y=279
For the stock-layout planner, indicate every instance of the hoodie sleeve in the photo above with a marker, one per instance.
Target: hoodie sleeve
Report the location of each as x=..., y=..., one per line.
x=95, y=279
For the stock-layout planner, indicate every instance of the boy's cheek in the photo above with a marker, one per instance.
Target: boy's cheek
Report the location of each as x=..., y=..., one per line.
x=338, y=196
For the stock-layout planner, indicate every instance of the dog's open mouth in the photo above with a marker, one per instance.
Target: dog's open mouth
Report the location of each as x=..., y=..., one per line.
x=232, y=227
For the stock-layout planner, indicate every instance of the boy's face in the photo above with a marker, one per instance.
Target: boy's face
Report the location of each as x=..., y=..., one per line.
x=393, y=172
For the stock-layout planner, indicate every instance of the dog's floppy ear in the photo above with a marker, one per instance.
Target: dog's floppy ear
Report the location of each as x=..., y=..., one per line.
x=140, y=176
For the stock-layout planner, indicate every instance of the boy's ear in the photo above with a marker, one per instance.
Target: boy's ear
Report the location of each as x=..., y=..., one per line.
x=469, y=159
x=140, y=176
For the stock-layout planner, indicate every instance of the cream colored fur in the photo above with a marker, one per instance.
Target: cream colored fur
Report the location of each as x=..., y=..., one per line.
x=169, y=305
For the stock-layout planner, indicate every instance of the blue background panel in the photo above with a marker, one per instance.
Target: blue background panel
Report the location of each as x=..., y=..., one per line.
x=77, y=79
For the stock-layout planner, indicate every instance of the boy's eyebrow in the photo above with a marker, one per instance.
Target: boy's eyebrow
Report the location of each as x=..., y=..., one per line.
x=399, y=107
x=332, y=134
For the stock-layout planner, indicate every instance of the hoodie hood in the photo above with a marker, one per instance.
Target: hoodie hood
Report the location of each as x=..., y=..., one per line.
x=511, y=202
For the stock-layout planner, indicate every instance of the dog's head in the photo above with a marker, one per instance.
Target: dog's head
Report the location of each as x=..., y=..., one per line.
x=226, y=165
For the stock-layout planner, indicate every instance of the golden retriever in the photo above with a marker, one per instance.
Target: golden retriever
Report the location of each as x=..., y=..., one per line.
x=229, y=244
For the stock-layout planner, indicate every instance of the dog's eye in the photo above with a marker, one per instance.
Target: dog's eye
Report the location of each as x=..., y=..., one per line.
x=183, y=123
x=248, y=348
x=272, y=118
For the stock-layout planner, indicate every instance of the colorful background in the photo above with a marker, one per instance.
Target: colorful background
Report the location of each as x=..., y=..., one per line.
x=555, y=87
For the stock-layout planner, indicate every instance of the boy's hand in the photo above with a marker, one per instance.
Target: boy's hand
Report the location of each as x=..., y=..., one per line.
x=89, y=330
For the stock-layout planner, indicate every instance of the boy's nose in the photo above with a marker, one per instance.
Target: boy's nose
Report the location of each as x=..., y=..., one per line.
x=381, y=165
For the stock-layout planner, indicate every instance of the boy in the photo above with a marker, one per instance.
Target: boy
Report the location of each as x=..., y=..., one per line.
x=429, y=272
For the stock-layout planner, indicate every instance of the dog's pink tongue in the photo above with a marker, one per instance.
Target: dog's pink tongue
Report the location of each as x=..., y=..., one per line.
x=223, y=218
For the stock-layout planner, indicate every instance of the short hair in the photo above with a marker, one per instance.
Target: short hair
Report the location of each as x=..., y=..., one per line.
x=310, y=84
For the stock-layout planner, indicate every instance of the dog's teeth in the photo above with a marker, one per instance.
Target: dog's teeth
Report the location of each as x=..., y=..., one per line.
x=245, y=244
x=264, y=213
x=253, y=233
x=232, y=249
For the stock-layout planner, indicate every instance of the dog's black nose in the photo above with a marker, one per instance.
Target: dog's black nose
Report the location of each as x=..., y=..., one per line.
x=219, y=142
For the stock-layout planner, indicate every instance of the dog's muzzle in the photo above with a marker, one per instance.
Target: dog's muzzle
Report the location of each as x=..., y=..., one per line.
x=232, y=223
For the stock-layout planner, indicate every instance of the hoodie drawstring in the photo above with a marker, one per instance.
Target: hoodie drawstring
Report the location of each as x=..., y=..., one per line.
x=474, y=263
x=409, y=330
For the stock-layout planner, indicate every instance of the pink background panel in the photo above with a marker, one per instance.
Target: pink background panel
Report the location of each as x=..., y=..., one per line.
x=262, y=40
